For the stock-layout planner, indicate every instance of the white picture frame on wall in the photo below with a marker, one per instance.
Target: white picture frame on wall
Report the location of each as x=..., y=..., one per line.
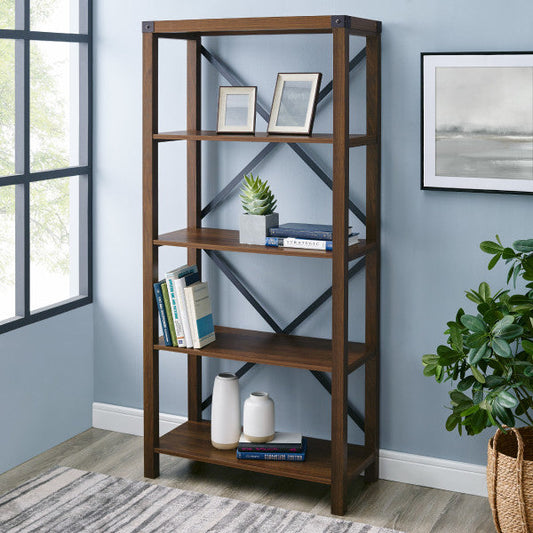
x=477, y=121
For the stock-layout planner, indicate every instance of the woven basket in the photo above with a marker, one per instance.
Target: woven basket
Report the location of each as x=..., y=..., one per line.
x=510, y=480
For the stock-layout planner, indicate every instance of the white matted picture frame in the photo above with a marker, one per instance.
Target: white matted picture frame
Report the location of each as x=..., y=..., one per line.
x=477, y=121
x=294, y=103
x=236, y=109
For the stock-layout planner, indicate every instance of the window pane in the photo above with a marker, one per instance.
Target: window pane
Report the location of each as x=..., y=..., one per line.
x=7, y=252
x=54, y=15
x=54, y=241
x=7, y=14
x=7, y=106
x=54, y=105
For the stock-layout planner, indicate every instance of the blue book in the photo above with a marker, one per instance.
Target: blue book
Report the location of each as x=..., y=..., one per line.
x=323, y=232
x=162, y=313
x=275, y=456
x=308, y=244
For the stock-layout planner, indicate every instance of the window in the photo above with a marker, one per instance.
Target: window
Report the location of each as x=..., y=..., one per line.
x=45, y=159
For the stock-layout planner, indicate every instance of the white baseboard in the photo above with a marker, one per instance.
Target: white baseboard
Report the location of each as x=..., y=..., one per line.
x=393, y=466
x=129, y=420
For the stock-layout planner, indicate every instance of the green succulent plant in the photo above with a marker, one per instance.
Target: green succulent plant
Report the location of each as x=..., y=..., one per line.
x=489, y=355
x=256, y=196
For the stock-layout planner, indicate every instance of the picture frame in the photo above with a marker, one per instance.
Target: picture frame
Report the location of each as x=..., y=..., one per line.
x=294, y=103
x=477, y=121
x=236, y=109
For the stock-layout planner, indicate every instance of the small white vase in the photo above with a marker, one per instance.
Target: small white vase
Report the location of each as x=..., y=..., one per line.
x=258, y=417
x=226, y=412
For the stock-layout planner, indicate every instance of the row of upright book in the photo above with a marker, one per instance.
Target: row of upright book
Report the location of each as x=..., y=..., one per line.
x=185, y=308
x=307, y=236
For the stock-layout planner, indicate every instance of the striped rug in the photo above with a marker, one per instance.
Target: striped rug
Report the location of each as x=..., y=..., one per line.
x=67, y=500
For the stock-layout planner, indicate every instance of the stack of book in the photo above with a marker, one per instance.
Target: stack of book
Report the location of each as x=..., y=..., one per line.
x=310, y=236
x=284, y=447
x=185, y=308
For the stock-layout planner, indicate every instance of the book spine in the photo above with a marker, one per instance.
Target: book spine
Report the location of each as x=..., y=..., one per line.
x=162, y=313
x=175, y=313
x=271, y=449
x=184, y=312
x=303, y=234
x=263, y=456
x=168, y=312
x=189, y=303
x=309, y=244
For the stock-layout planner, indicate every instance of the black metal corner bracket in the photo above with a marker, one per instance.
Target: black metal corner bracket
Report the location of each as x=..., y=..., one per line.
x=341, y=21
x=148, y=26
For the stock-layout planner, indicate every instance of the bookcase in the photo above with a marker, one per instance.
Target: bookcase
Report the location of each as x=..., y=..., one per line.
x=333, y=462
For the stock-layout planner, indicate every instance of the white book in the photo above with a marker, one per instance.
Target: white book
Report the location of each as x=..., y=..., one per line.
x=171, y=277
x=200, y=314
x=180, y=284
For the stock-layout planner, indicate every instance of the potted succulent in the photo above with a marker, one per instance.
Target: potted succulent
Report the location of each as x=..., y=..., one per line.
x=488, y=358
x=258, y=204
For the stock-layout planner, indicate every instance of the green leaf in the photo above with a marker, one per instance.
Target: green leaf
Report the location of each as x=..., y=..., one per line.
x=494, y=261
x=527, y=345
x=491, y=247
x=501, y=347
x=466, y=383
x=511, y=332
x=429, y=370
x=506, y=399
x=452, y=422
x=477, y=374
x=505, y=321
x=508, y=253
x=476, y=340
x=456, y=337
x=476, y=354
x=470, y=411
x=523, y=246
x=458, y=398
x=429, y=358
x=473, y=323
x=529, y=371
x=494, y=381
x=505, y=415
x=484, y=291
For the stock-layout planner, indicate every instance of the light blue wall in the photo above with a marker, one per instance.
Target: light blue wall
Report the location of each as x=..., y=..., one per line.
x=430, y=239
x=46, y=384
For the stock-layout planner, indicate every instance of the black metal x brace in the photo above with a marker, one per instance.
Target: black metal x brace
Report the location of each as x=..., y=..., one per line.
x=222, y=264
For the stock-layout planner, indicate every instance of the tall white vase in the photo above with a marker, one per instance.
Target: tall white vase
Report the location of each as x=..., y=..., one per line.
x=226, y=412
x=258, y=417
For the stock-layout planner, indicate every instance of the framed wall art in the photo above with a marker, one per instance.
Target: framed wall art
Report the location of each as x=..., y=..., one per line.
x=294, y=103
x=236, y=109
x=477, y=121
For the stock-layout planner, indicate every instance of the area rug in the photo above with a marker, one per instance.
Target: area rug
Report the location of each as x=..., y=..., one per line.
x=67, y=500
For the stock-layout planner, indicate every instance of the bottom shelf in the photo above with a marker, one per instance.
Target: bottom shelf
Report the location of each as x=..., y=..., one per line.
x=192, y=440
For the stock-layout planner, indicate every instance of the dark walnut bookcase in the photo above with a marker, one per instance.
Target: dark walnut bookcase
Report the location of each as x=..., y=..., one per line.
x=333, y=462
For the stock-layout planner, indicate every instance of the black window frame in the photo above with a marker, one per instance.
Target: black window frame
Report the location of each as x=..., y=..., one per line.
x=23, y=38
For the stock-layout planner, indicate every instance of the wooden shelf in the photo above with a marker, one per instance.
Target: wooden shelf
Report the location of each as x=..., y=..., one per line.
x=274, y=349
x=192, y=440
x=260, y=137
x=228, y=240
x=258, y=26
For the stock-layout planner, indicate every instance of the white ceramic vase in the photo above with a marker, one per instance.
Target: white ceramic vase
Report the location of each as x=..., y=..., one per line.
x=258, y=417
x=226, y=412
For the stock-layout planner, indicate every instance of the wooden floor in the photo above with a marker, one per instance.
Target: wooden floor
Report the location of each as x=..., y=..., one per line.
x=408, y=508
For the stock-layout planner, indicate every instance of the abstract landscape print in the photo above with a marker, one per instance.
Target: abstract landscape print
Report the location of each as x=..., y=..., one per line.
x=478, y=122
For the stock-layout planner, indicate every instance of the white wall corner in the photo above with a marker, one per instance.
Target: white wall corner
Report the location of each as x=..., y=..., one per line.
x=393, y=466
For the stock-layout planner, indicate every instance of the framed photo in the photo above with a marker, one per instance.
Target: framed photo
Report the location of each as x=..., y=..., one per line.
x=294, y=103
x=477, y=122
x=236, y=109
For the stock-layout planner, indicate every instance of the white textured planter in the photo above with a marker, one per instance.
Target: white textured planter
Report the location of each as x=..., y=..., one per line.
x=226, y=412
x=258, y=417
x=254, y=228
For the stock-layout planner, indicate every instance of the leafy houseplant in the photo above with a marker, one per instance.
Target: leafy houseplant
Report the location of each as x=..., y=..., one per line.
x=258, y=204
x=489, y=355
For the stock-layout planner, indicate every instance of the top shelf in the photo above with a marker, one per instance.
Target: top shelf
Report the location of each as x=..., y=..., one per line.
x=260, y=137
x=186, y=29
